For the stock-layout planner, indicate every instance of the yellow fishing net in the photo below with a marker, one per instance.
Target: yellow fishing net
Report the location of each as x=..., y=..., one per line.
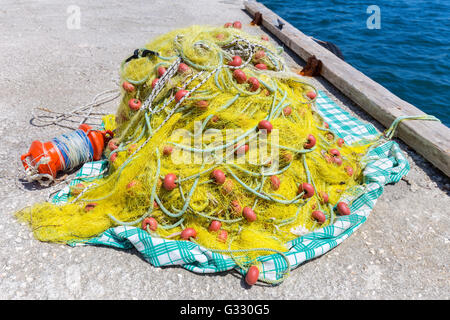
x=256, y=183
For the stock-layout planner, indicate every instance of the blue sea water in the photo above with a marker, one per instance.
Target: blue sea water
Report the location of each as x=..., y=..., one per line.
x=408, y=54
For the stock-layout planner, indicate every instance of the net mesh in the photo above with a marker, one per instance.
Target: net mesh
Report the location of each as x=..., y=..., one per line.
x=203, y=131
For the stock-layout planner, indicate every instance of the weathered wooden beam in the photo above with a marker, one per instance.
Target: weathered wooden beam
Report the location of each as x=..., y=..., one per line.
x=431, y=139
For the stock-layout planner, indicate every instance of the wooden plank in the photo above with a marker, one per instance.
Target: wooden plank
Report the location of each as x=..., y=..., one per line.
x=431, y=139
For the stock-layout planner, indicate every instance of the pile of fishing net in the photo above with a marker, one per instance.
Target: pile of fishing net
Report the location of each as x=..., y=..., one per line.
x=215, y=142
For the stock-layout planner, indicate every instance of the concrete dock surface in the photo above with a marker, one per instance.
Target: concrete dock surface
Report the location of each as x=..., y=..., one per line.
x=401, y=252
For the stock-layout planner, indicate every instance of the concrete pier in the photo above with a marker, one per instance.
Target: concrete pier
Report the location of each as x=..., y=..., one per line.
x=401, y=252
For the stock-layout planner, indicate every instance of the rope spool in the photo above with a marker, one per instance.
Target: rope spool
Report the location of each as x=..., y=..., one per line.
x=45, y=159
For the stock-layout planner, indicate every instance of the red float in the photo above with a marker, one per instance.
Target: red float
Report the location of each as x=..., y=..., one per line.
x=188, y=233
x=218, y=176
x=240, y=76
x=265, y=125
x=319, y=216
x=252, y=275
x=134, y=104
x=261, y=66
x=127, y=86
x=311, y=94
x=249, y=214
x=215, y=225
x=235, y=62
x=180, y=94
x=161, y=71
x=169, y=182
x=254, y=83
x=287, y=111
x=151, y=223
x=237, y=25
x=275, y=182
x=311, y=142
x=183, y=68
x=307, y=188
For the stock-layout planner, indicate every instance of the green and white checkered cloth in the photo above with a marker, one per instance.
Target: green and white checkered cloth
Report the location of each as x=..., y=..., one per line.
x=385, y=164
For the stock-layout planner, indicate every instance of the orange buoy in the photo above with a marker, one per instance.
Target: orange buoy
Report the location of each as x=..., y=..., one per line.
x=215, y=119
x=334, y=152
x=202, y=104
x=151, y=223
x=215, y=225
x=311, y=142
x=252, y=275
x=169, y=182
x=218, y=176
x=307, y=188
x=161, y=71
x=127, y=86
x=134, y=104
x=349, y=170
x=235, y=62
x=337, y=160
x=343, y=209
x=227, y=186
x=287, y=111
x=113, y=157
x=311, y=94
x=132, y=186
x=254, y=83
x=188, y=233
x=237, y=25
x=183, y=68
x=319, y=216
x=275, y=182
x=180, y=94
x=265, y=125
x=241, y=150
x=261, y=66
x=260, y=54
x=112, y=144
x=249, y=214
x=240, y=76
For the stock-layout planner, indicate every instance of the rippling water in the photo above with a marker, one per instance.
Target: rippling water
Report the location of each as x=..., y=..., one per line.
x=409, y=54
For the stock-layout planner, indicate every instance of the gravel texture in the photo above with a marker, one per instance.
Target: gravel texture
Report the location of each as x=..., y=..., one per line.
x=401, y=252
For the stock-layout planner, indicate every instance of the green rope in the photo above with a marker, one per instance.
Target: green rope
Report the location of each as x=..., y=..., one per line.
x=389, y=133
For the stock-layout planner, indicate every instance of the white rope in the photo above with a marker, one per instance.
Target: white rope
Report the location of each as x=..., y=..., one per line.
x=84, y=112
